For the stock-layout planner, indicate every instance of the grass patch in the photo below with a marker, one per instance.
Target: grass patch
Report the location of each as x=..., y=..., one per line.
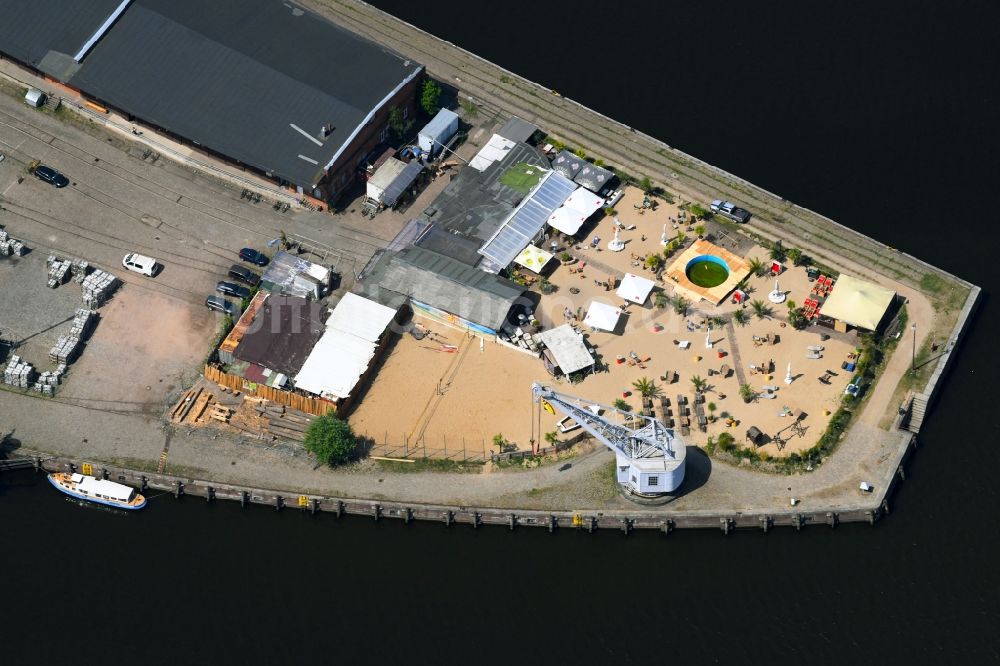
x=932, y=282
x=430, y=465
x=521, y=177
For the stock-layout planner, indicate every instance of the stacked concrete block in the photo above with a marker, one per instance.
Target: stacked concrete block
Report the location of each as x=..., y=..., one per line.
x=10, y=246
x=97, y=287
x=18, y=373
x=58, y=268
x=79, y=268
x=65, y=349
x=83, y=323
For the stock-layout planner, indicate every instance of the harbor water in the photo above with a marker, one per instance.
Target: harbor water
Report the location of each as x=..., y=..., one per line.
x=879, y=115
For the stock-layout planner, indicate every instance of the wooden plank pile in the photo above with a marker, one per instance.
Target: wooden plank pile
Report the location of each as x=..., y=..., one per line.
x=286, y=423
x=184, y=405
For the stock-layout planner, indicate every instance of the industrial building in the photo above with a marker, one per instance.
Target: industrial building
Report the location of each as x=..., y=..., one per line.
x=263, y=83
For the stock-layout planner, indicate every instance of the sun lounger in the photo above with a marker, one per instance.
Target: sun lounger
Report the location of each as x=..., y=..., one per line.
x=815, y=348
x=770, y=389
x=684, y=344
x=767, y=396
x=814, y=355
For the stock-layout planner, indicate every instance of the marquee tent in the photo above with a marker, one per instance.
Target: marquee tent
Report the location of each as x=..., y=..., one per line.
x=580, y=205
x=858, y=303
x=602, y=316
x=533, y=258
x=568, y=349
x=634, y=288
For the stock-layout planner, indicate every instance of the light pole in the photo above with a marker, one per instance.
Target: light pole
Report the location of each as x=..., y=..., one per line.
x=913, y=357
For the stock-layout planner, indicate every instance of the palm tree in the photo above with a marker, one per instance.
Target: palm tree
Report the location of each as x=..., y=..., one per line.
x=761, y=309
x=681, y=237
x=646, y=387
x=654, y=261
x=700, y=230
x=699, y=383
x=552, y=438
x=621, y=405
x=794, y=255
x=717, y=322
x=778, y=251
x=756, y=266
x=747, y=392
x=741, y=318
x=681, y=305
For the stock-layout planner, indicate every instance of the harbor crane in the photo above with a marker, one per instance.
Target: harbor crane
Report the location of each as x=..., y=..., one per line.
x=650, y=457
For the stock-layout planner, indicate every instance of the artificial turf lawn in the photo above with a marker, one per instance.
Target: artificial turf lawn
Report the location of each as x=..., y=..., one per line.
x=707, y=274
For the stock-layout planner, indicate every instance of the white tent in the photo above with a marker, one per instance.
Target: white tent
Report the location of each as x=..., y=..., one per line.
x=342, y=355
x=602, y=316
x=634, y=288
x=857, y=302
x=580, y=205
x=495, y=150
x=533, y=258
x=567, y=347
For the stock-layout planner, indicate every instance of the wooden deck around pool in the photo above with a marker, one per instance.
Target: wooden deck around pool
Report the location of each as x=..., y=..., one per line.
x=677, y=272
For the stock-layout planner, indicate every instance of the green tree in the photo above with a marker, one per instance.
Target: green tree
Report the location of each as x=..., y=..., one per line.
x=581, y=153
x=700, y=230
x=726, y=441
x=741, y=318
x=747, y=392
x=660, y=299
x=796, y=319
x=646, y=387
x=654, y=261
x=500, y=442
x=778, y=251
x=681, y=237
x=646, y=185
x=699, y=211
x=331, y=440
x=430, y=97
x=552, y=438
x=699, y=383
x=761, y=309
x=621, y=405
x=756, y=266
x=681, y=305
x=794, y=255
x=398, y=124
x=790, y=303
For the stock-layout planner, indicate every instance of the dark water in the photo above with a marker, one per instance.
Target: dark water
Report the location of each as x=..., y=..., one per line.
x=880, y=115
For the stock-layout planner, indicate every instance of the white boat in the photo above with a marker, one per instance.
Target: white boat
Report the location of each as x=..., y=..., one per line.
x=96, y=490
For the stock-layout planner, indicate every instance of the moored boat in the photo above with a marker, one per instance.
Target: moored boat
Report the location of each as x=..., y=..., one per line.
x=96, y=490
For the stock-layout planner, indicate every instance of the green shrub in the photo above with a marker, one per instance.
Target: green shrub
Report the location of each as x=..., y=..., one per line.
x=331, y=440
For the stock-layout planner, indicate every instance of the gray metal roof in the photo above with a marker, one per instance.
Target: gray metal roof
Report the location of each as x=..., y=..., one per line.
x=402, y=181
x=568, y=164
x=475, y=203
x=517, y=130
x=254, y=80
x=51, y=31
x=594, y=178
x=529, y=218
x=443, y=283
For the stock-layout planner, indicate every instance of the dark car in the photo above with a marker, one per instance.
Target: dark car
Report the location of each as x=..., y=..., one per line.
x=253, y=256
x=232, y=289
x=51, y=176
x=219, y=304
x=244, y=274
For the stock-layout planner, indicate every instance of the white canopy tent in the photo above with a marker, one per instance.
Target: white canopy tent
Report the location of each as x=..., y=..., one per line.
x=634, y=288
x=494, y=151
x=567, y=347
x=602, y=316
x=857, y=302
x=580, y=205
x=533, y=258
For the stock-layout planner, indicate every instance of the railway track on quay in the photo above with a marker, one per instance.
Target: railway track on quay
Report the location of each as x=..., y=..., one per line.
x=492, y=87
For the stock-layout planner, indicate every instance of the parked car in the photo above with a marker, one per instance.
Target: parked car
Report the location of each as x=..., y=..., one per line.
x=232, y=289
x=253, y=256
x=730, y=210
x=50, y=176
x=219, y=304
x=244, y=274
x=140, y=263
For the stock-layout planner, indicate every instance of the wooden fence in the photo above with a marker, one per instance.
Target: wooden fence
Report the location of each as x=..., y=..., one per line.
x=316, y=406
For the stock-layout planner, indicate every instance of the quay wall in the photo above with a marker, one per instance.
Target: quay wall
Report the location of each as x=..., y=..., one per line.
x=625, y=521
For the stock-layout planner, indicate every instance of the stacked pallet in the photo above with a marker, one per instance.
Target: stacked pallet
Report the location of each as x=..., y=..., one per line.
x=65, y=349
x=83, y=322
x=58, y=268
x=50, y=379
x=18, y=373
x=97, y=287
x=10, y=246
x=79, y=268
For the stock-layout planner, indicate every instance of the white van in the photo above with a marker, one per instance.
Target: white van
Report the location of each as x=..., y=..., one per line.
x=139, y=263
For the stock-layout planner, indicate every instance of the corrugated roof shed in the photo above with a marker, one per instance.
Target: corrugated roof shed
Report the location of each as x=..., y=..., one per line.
x=283, y=334
x=444, y=283
x=254, y=80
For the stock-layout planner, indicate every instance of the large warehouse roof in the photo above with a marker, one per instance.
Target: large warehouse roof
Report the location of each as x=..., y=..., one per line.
x=254, y=80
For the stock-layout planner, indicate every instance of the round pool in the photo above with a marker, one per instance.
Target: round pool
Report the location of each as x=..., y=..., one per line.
x=707, y=271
